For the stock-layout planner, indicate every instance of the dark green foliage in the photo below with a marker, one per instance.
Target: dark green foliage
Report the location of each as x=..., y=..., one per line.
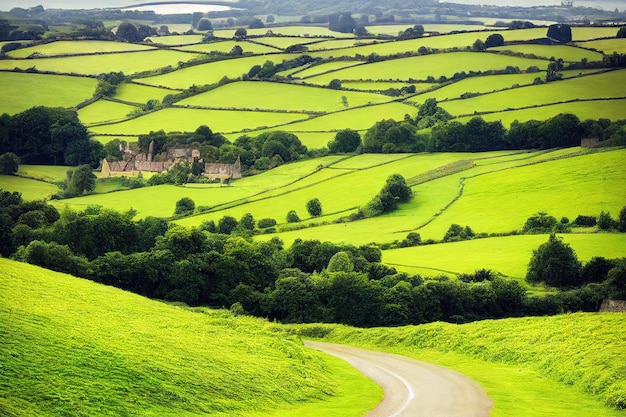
x=560, y=32
x=204, y=24
x=621, y=222
x=585, y=221
x=340, y=262
x=241, y=33
x=414, y=32
x=128, y=32
x=185, y=206
x=621, y=32
x=292, y=217
x=605, y=222
x=476, y=135
x=553, y=72
x=457, y=232
x=226, y=225
x=343, y=22
x=52, y=256
x=395, y=191
x=495, y=39
x=478, y=45
x=597, y=269
x=247, y=222
x=555, y=264
x=82, y=179
x=265, y=223
x=346, y=141
x=256, y=23
x=335, y=84
x=541, y=222
x=314, y=207
x=616, y=281
x=389, y=136
x=9, y=163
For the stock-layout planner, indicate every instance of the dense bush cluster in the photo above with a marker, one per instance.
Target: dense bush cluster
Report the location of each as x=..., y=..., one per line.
x=309, y=282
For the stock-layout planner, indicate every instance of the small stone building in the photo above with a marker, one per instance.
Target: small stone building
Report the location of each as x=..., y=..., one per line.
x=223, y=172
x=613, y=306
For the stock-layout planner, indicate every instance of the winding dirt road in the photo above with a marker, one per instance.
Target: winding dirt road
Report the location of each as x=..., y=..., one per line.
x=414, y=388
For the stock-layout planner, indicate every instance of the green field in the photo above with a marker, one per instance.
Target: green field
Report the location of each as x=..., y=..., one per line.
x=420, y=67
x=284, y=42
x=188, y=120
x=567, y=53
x=382, y=86
x=608, y=46
x=74, y=347
x=304, y=31
x=77, y=47
x=227, y=46
x=211, y=73
x=104, y=111
x=176, y=39
x=340, y=44
x=22, y=91
x=128, y=63
x=509, y=254
x=604, y=85
x=279, y=96
x=326, y=67
x=48, y=173
x=29, y=188
x=570, y=364
x=136, y=93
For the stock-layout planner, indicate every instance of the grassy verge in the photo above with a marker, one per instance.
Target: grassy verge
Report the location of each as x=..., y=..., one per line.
x=73, y=347
x=544, y=366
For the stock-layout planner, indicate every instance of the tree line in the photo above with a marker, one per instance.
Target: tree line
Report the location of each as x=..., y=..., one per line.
x=311, y=281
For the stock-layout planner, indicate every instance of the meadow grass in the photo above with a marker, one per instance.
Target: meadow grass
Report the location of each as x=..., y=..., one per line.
x=608, y=46
x=595, y=109
x=128, y=63
x=567, y=53
x=340, y=43
x=420, y=67
x=136, y=93
x=212, y=72
x=74, y=347
x=29, y=188
x=77, y=47
x=393, y=30
x=103, y=111
x=604, y=85
x=382, y=86
x=227, y=46
x=284, y=42
x=534, y=366
x=48, y=173
x=176, y=39
x=22, y=91
x=508, y=254
x=104, y=139
x=326, y=67
x=586, y=33
x=279, y=96
x=304, y=31
x=188, y=120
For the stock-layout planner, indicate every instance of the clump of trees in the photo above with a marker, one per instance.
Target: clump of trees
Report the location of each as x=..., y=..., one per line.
x=346, y=141
x=394, y=191
x=414, y=32
x=9, y=163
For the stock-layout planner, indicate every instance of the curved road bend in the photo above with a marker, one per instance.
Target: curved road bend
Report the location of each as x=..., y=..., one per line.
x=414, y=388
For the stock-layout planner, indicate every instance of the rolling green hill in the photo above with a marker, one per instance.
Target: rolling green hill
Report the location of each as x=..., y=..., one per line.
x=536, y=367
x=73, y=347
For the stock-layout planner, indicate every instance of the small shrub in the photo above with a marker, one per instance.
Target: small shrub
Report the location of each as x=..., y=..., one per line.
x=292, y=217
x=184, y=206
x=265, y=223
x=585, y=221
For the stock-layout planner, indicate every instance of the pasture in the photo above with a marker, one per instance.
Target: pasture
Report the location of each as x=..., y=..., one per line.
x=30, y=189
x=567, y=53
x=562, y=365
x=279, y=96
x=323, y=68
x=136, y=93
x=226, y=46
x=77, y=47
x=421, y=67
x=77, y=347
x=603, y=85
x=174, y=40
x=303, y=31
x=104, y=111
x=22, y=91
x=128, y=63
x=608, y=46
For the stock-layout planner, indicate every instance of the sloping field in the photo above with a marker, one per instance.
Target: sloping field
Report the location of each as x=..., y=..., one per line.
x=227, y=46
x=509, y=254
x=605, y=85
x=22, y=91
x=393, y=30
x=212, y=72
x=382, y=86
x=74, y=347
x=608, y=46
x=188, y=120
x=597, y=109
x=104, y=111
x=49, y=173
x=567, y=53
x=136, y=93
x=534, y=366
x=326, y=67
x=278, y=96
x=128, y=63
x=304, y=31
x=176, y=39
x=77, y=47
x=420, y=67
x=30, y=189
x=284, y=42
x=340, y=43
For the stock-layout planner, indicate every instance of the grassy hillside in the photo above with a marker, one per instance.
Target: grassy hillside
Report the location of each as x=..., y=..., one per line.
x=73, y=347
x=534, y=367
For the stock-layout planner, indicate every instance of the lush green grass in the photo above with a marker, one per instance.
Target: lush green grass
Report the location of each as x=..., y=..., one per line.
x=48, y=173
x=284, y=42
x=136, y=93
x=128, y=63
x=608, y=46
x=303, y=31
x=586, y=33
x=227, y=46
x=74, y=347
x=536, y=367
x=22, y=91
x=604, y=85
x=420, y=67
x=567, y=53
x=103, y=111
x=30, y=189
x=340, y=43
x=509, y=254
x=382, y=86
x=393, y=30
x=77, y=47
x=326, y=67
x=188, y=120
x=596, y=109
x=176, y=39
x=279, y=96
x=211, y=73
